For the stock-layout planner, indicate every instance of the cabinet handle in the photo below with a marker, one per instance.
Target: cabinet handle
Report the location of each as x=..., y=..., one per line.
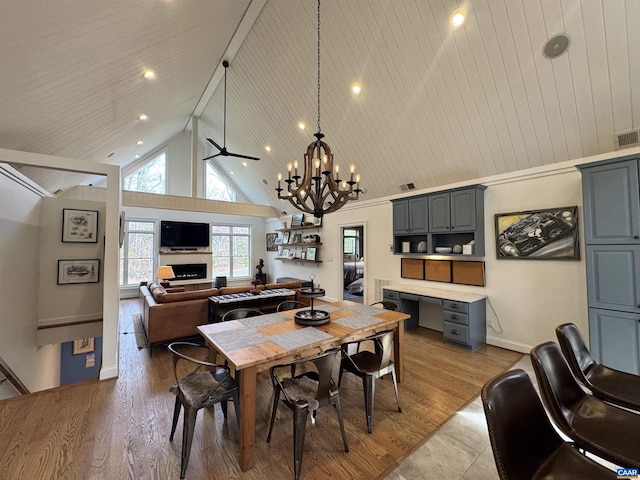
x=636, y=237
x=454, y=317
x=455, y=332
x=454, y=306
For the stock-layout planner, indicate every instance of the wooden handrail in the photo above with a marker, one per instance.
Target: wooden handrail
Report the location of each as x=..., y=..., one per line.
x=11, y=377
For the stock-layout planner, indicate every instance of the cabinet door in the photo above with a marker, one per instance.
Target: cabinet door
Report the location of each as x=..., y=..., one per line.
x=418, y=215
x=614, y=340
x=613, y=277
x=439, y=213
x=401, y=216
x=611, y=203
x=463, y=210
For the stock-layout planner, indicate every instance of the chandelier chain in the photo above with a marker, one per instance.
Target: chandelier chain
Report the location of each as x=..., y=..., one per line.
x=319, y=66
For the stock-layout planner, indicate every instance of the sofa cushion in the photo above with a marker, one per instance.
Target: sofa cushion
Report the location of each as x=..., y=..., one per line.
x=290, y=285
x=162, y=296
x=231, y=290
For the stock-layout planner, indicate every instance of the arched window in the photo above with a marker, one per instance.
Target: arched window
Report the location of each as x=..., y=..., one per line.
x=216, y=188
x=151, y=177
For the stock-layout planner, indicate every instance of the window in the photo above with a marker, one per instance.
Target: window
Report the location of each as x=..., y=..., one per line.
x=231, y=247
x=351, y=241
x=216, y=188
x=137, y=257
x=150, y=178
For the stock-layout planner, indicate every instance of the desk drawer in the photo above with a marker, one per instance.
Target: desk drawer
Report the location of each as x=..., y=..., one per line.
x=390, y=295
x=455, y=306
x=456, y=332
x=455, y=317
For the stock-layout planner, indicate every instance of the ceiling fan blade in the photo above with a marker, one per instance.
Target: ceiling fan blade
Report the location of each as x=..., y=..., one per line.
x=214, y=144
x=242, y=156
x=212, y=156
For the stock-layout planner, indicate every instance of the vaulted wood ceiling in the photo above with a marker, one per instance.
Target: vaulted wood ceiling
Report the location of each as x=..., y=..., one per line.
x=439, y=104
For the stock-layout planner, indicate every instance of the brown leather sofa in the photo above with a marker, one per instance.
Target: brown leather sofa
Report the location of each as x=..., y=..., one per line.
x=172, y=313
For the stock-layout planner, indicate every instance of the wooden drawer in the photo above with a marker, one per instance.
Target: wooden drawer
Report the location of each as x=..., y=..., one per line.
x=390, y=295
x=455, y=306
x=455, y=317
x=456, y=333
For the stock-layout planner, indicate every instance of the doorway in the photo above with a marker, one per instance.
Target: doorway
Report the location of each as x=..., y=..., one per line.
x=353, y=271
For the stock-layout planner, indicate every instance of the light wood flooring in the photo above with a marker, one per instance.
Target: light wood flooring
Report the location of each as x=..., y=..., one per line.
x=120, y=428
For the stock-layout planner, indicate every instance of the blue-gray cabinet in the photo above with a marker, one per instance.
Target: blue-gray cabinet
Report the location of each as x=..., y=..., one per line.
x=611, y=198
x=453, y=211
x=410, y=215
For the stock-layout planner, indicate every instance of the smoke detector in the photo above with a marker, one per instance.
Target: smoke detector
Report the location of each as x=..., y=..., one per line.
x=556, y=46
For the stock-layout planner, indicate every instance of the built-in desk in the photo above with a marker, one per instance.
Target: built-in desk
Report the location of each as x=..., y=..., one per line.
x=463, y=314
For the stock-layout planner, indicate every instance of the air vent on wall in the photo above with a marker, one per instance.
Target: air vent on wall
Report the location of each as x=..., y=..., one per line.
x=627, y=139
x=407, y=186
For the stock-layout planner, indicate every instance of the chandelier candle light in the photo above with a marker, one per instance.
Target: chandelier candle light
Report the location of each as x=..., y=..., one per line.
x=319, y=190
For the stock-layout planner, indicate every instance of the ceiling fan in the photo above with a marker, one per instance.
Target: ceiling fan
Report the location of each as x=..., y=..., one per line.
x=223, y=150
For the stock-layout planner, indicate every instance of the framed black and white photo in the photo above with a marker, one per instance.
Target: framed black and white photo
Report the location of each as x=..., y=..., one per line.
x=549, y=234
x=272, y=245
x=83, y=345
x=297, y=238
x=285, y=238
x=296, y=219
x=78, y=271
x=79, y=226
x=284, y=253
x=311, y=253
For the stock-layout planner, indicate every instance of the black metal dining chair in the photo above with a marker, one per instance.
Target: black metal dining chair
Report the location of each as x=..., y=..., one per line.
x=199, y=388
x=304, y=394
x=525, y=445
x=387, y=305
x=290, y=305
x=605, y=430
x=370, y=366
x=613, y=386
x=239, y=313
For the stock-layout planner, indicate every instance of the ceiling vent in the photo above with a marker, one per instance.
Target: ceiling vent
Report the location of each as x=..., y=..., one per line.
x=627, y=139
x=283, y=212
x=407, y=186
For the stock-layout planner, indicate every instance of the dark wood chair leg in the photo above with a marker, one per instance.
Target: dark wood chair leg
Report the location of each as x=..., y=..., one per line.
x=276, y=399
x=368, y=384
x=176, y=414
x=300, y=414
x=187, y=437
x=336, y=404
x=236, y=405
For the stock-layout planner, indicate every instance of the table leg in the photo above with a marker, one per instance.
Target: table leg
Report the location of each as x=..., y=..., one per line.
x=398, y=351
x=247, y=379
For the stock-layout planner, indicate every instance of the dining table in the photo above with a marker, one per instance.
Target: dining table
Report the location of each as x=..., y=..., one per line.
x=255, y=344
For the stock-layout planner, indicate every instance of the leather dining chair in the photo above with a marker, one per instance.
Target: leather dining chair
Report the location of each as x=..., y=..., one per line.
x=613, y=386
x=605, y=430
x=370, y=366
x=304, y=394
x=387, y=305
x=239, y=313
x=198, y=389
x=290, y=305
x=525, y=445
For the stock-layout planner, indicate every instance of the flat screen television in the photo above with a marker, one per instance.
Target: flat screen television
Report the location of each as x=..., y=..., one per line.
x=180, y=235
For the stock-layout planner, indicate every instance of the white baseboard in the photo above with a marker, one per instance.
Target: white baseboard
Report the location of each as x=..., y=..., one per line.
x=109, y=372
x=509, y=345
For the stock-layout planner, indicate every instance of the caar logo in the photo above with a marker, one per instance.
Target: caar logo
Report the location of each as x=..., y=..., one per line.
x=627, y=473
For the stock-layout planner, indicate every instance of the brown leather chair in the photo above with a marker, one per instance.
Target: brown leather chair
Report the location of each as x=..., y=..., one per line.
x=304, y=394
x=387, y=305
x=605, y=430
x=613, y=386
x=525, y=445
x=370, y=366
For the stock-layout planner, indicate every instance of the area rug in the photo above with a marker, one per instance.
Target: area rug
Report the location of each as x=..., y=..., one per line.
x=138, y=328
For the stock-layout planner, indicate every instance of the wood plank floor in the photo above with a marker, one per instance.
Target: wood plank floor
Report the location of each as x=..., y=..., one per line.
x=120, y=428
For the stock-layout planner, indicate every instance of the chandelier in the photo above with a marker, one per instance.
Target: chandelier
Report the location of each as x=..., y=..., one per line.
x=319, y=190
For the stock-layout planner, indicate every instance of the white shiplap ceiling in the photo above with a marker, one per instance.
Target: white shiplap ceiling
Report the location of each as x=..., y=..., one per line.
x=439, y=105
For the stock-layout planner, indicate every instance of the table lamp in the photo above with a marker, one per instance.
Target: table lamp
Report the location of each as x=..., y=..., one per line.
x=164, y=272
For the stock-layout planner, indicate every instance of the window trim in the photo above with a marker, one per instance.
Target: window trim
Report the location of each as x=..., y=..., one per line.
x=144, y=160
x=249, y=255
x=156, y=242
x=223, y=177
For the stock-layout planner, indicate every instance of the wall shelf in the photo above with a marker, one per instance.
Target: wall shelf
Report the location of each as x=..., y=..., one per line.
x=302, y=227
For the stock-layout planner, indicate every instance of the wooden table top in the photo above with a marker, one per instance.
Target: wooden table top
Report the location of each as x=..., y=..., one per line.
x=261, y=351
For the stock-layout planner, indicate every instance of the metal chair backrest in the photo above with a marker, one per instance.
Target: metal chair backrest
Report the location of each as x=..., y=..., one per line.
x=238, y=313
x=387, y=305
x=290, y=305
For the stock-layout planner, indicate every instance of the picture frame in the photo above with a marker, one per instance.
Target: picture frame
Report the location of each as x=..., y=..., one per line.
x=284, y=253
x=311, y=253
x=78, y=271
x=272, y=246
x=296, y=219
x=79, y=226
x=285, y=237
x=83, y=345
x=303, y=255
x=317, y=221
x=297, y=238
x=279, y=241
x=545, y=234
x=121, y=229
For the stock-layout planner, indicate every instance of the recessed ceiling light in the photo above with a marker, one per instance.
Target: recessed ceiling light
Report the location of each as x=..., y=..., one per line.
x=136, y=156
x=231, y=173
x=244, y=164
x=301, y=125
x=149, y=74
x=356, y=88
x=457, y=18
x=139, y=142
x=267, y=148
x=143, y=117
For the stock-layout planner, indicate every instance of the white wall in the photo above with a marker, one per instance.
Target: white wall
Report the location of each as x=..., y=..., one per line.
x=527, y=299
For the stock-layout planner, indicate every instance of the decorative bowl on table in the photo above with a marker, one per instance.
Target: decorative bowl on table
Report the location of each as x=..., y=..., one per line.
x=311, y=317
x=443, y=250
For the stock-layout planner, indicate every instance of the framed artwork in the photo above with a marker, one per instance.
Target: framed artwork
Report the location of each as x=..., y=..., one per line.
x=284, y=253
x=317, y=221
x=79, y=226
x=297, y=238
x=303, y=254
x=78, y=271
x=311, y=253
x=272, y=246
x=83, y=345
x=285, y=237
x=549, y=234
x=296, y=219
x=279, y=241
